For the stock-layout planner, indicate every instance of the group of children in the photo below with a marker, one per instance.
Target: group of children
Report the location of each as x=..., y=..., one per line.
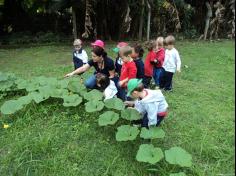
x=134, y=76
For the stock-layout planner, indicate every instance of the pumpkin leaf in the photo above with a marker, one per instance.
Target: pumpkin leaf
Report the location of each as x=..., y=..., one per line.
x=76, y=87
x=178, y=174
x=152, y=133
x=94, y=106
x=126, y=133
x=11, y=106
x=25, y=100
x=115, y=103
x=130, y=114
x=149, y=154
x=94, y=95
x=72, y=100
x=178, y=156
x=108, y=118
x=38, y=97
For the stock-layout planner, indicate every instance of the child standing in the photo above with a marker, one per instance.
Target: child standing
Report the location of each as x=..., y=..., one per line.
x=171, y=64
x=137, y=55
x=106, y=85
x=128, y=70
x=119, y=62
x=158, y=61
x=150, y=103
x=148, y=65
x=80, y=56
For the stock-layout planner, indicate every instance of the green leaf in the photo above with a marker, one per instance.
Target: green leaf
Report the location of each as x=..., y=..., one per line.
x=22, y=84
x=108, y=118
x=152, y=133
x=38, y=97
x=93, y=106
x=76, y=87
x=126, y=133
x=178, y=174
x=72, y=100
x=63, y=84
x=115, y=103
x=178, y=156
x=149, y=154
x=130, y=114
x=25, y=100
x=11, y=106
x=59, y=93
x=93, y=95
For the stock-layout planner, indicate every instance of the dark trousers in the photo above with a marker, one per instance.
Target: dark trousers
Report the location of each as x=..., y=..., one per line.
x=144, y=121
x=77, y=63
x=147, y=81
x=166, y=80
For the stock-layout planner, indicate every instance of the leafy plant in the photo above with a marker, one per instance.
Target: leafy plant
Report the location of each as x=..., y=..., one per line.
x=130, y=114
x=149, y=154
x=126, y=133
x=11, y=106
x=178, y=174
x=115, y=103
x=72, y=100
x=108, y=118
x=178, y=156
x=93, y=106
x=93, y=94
x=152, y=133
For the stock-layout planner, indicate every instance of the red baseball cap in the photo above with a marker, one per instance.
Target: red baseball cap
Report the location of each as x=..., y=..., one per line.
x=99, y=43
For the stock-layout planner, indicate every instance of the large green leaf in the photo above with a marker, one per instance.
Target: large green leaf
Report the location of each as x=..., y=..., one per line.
x=93, y=95
x=126, y=133
x=72, y=100
x=149, y=154
x=25, y=100
x=22, y=84
x=152, y=133
x=178, y=174
x=3, y=77
x=59, y=93
x=11, y=106
x=178, y=156
x=76, y=87
x=115, y=103
x=108, y=118
x=94, y=106
x=63, y=84
x=6, y=85
x=130, y=114
x=38, y=97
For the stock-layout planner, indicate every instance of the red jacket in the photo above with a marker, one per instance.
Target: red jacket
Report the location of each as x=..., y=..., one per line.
x=128, y=70
x=148, y=66
x=160, y=56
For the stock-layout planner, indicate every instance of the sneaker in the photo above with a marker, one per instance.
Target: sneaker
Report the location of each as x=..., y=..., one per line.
x=157, y=88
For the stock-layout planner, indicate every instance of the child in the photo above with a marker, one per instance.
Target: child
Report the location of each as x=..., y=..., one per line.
x=128, y=70
x=80, y=56
x=137, y=54
x=119, y=62
x=158, y=61
x=148, y=65
x=171, y=64
x=150, y=103
x=106, y=85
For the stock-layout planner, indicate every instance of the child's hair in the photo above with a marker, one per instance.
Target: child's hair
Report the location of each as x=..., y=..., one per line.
x=126, y=50
x=103, y=80
x=160, y=41
x=139, y=88
x=151, y=45
x=99, y=51
x=77, y=42
x=170, y=40
x=138, y=49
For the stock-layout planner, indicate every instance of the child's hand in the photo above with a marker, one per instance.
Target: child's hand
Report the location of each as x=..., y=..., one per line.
x=129, y=103
x=69, y=75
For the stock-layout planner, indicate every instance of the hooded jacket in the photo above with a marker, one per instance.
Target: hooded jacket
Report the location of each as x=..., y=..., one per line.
x=153, y=104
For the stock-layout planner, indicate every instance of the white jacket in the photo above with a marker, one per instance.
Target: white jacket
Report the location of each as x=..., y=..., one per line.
x=153, y=104
x=110, y=91
x=172, y=60
x=82, y=56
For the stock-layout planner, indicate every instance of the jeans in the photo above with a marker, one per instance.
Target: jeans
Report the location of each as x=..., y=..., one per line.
x=91, y=83
x=121, y=93
x=157, y=74
x=144, y=121
x=147, y=81
x=166, y=80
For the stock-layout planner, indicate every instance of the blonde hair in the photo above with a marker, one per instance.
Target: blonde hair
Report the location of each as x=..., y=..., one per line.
x=160, y=41
x=77, y=42
x=126, y=50
x=170, y=40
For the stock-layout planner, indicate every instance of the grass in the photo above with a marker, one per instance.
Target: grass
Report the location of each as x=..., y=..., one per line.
x=48, y=139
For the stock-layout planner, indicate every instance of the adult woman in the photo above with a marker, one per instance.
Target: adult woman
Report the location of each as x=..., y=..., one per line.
x=100, y=61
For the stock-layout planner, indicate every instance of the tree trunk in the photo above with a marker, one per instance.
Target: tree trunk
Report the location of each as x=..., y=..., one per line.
x=140, y=34
x=74, y=23
x=208, y=17
x=149, y=20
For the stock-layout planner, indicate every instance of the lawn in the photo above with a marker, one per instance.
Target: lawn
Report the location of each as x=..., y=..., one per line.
x=50, y=140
